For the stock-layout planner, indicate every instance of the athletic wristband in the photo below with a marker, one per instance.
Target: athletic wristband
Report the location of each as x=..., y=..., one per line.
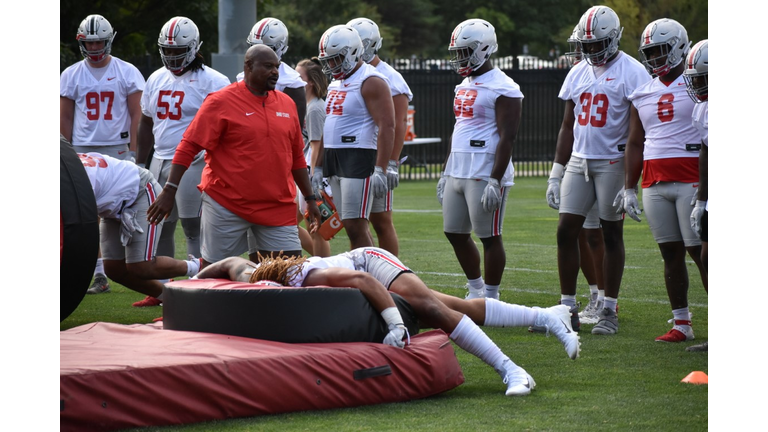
x=391, y=315
x=312, y=197
x=557, y=171
x=173, y=185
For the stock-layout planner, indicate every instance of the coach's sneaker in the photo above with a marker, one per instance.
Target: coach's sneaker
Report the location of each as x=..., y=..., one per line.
x=148, y=301
x=557, y=320
x=100, y=284
x=608, y=323
x=575, y=324
x=473, y=293
x=590, y=314
x=681, y=332
x=518, y=381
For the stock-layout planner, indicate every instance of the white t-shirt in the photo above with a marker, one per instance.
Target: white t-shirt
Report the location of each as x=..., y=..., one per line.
x=601, y=96
x=665, y=111
x=475, y=134
x=348, y=124
x=115, y=182
x=172, y=101
x=101, y=113
x=397, y=84
x=313, y=125
x=289, y=78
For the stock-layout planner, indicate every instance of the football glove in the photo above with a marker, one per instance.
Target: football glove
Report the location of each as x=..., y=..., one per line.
x=379, y=183
x=696, y=214
x=393, y=177
x=553, y=185
x=395, y=336
x=440, y=188
x=491, y=199
x=317, y=180
x=128, y=226
x=628, y=203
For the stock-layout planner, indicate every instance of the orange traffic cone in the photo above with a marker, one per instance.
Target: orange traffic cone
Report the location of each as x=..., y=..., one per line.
x=696, y=377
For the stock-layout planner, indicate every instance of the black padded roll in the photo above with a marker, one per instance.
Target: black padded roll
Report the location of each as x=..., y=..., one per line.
x=79, y=231
x=294, y=315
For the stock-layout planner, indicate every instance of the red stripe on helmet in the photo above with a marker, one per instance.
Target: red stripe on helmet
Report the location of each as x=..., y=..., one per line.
x=259, y=32
x=453, y=37
x=647, y=37
x=172, y=30
x=589, y=29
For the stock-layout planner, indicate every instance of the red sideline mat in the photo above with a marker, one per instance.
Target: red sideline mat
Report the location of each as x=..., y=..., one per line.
x=116, y=376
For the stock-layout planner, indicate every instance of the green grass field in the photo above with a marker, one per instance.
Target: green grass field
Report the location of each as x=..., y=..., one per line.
x=621, y=382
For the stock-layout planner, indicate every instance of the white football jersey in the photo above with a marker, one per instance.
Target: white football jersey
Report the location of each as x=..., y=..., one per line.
x=348, y=124
x=115, y=182
x=397, y=84
x=701, y=121
x=172, y=101
x=475, y=134
x=101, y=106
x=665, y=111
x=289, y=78
x=601, y=95
x=316, y=262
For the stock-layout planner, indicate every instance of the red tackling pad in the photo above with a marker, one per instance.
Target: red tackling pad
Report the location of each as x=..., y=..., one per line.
x=116, y=376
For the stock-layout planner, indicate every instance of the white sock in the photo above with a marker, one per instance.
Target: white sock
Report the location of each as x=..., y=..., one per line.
x=99, y=266
x=471, y=338
x=500, y=314
x=600, y=295
x=568, y=300
x=491, y=290
x=193, y=267
x=610, y=303
x=594, y=293
x=477, y=284
x=681, y=314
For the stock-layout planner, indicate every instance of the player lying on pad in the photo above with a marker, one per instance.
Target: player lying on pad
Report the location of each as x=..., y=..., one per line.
x=374, y=271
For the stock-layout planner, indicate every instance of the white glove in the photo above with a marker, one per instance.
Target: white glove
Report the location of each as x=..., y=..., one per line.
x=393, y=177
x=695, y=194
x=491, y=199
x=440, y=188
x=379, y=183
x=696, y=214
x=395, y=336
x=128, y=225
x=553, y=193
x=553, y=185
x=317, y=180
x=630, y=204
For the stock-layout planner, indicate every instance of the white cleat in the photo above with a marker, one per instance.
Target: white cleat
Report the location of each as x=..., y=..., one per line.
x=557, y=320
x=519, y=383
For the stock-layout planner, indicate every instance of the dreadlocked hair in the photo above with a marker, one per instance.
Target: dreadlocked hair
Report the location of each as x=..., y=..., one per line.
x=280, y=268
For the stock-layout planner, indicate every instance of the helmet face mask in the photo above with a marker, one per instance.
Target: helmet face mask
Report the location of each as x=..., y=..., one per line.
x=340, y=49
x=472, y=43
x=599, y=32
x=574, y=54
x=95, y=28
x=272, y=33
x=663, y=45
x=179, y=42
x=696, y=72
x=369, y=35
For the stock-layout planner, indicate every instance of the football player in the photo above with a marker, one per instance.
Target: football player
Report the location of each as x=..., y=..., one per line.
x=666, y=153
x=696, y=80
x=359, y=131
x=591, y=141
x=375, y=271
x=478, y=171
x=99, y=104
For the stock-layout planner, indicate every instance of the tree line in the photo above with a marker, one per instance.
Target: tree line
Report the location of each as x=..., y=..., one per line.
x=419, y=28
